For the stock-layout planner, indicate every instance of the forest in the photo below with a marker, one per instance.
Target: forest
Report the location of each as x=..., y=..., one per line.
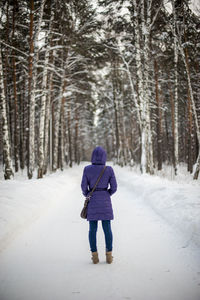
x=122, y=74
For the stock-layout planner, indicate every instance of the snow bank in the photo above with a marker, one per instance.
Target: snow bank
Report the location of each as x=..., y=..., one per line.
x=178, y=201
x=22, y=201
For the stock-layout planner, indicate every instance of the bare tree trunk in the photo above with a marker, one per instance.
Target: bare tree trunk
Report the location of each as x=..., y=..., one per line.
x=125, y=148
x=189, y=134
x=31, y=107
x=141, y=100
x=22, y=130
x=197, y=166
x=16, y=128
x=173, y=123
x=56, y=133
x=76, y=138
x=159, y=121
x=57, y=122
x=69, y=133
x=43, y=109
x=117, y=146
x=146, y=23
x=32, y=85
x=8, y=171
x=42, y=120
x=176, y=137
x=167, y=151
x=62, y=121
x=48, y=121
x=46, y=133
x=189, y=120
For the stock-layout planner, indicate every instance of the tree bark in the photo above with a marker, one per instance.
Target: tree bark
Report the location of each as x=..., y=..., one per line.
x=141, y=100
x=31, y=106
x=69, y=133
x=56, y=126
x=76, y=139
x=197, y=166
x=117, y=146
x=159, y=121
x=8, y=170
x=33, y=59
x=146, y=23
x=44, y=107
x=16, y=122
x=189, y=135
x=48, y=121
x=176, y=132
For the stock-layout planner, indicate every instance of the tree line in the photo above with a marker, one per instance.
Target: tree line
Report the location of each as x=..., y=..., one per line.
x=150, y=97
x=121, y=74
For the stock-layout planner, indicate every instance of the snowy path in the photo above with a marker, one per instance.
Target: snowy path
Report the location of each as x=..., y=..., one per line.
x=51, y=260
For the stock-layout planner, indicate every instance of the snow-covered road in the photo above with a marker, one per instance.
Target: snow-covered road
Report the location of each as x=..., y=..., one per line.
x=49, y=257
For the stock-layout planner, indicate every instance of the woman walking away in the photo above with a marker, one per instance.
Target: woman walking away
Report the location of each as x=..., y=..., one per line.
x=99, y=207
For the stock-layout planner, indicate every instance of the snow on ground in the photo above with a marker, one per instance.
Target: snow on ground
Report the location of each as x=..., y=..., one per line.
x=22, y=201
x=177, y=201
x=44, y=244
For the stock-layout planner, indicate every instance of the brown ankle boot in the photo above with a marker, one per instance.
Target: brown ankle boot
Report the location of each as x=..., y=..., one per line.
x=95, y=257
x=109, y=257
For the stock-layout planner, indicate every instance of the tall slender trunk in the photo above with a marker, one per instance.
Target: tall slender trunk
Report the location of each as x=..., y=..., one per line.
x=42, y=118
x=159, y=121
x=56, y=126
x=76, y=138
x=48, y=121
x=167, y=140
x=117, y=146
x=125, y=147
x=43, y=106
x=194, y=109
x=22, y=130
x=172, y=120
x=31, y=106
x=69, y=133
x=62, y=135
x=8, y=170
x=6, y=75
x=176, y=133
x=189, y=134
x=148, y=92
x=51, y=135
x=46, y=133
x=189, y=119
x=140, y=78
x=16, y=127
x=146, y=109
x=33, y=59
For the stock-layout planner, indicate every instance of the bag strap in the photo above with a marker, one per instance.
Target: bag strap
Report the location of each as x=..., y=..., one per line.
x=102, y=171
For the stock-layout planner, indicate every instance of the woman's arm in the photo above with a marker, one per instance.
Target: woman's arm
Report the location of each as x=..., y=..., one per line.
x=84, y=183
x=113, y=183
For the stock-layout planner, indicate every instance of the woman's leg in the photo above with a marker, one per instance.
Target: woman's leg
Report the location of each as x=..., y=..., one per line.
x=108, y=234
x=92, y=236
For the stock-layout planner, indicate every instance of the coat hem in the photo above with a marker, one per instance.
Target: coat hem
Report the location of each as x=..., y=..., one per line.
x=101, y=219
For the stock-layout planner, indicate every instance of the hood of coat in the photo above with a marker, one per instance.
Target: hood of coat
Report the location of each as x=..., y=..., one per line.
x=98, y=156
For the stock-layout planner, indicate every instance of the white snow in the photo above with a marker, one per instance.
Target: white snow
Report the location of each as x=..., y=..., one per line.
x=177, y=201
x=194, y=5
x=45, y=250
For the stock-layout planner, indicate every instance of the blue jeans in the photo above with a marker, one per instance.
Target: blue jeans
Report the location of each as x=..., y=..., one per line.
x=107, y=232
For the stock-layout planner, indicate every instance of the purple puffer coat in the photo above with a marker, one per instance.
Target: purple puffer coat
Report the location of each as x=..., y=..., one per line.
x=99, y=207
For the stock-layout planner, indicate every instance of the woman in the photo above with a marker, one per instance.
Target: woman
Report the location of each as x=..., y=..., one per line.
x=99, y=207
